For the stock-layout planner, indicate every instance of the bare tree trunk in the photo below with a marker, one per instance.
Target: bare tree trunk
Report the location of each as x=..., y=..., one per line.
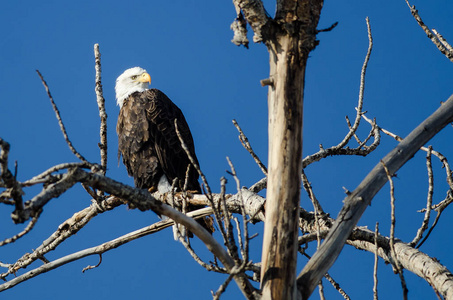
x=293, y=39
x=279, y=256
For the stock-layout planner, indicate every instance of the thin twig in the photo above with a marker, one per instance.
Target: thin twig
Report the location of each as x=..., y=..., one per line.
x=321, y=290
x=429, y=201
x=90, y=192
x=330, y=28
x=396, y=263
x=95, y=266
x=222, y=209
x=245, y=142
x=439, y=155
x=222, y=288
x=334, y=150
x=437, y=39
x=340, y=149
x=185, y=243
x=4, y=145
x=27, y=229
x=259, y=186
x=186, y=178
x=245, y=249
x=192, y=160
x=361, y=89
x=439, y=209
x=444, y=203
x=317, y=210
x=3, y=265
x=38, y=178
x=230, y=241
x=332, y=281
x=442, y=40
x=308, y=188
x=336, y=286
x=101, y=106
x=239, y=235
x=375, y=269
x=355, y=134
x=60, y=122
x=7, y=179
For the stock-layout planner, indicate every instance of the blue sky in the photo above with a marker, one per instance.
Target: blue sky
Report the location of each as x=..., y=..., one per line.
x=186, y=48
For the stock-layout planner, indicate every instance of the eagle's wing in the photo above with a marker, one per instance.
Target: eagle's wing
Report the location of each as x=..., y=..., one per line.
x=161, y=113
x=150, y=146
x=135, y=143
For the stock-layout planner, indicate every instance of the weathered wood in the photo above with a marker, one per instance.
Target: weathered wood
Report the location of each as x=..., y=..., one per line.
x=289, y=41
x=360, y=198
x=279, y=256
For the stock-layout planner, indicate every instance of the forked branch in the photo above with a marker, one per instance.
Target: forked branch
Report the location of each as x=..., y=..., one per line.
x=441, y=43
x=359, y=199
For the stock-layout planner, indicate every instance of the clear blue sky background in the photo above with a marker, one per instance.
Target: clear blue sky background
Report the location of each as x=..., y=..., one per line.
x=185, y=46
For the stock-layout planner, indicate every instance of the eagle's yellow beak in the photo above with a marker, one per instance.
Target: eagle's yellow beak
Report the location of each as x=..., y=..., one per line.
x=145, y=78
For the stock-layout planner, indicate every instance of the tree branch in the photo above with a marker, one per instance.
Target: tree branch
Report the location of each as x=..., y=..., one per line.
x=52, y=191
x=27, y=229
x=429, y=201
x=375, y=269
x=7, y=179
x=97, y=250
x=144, y=201
x=256, y=16
x=239, y=27
x=357, y=201
x=434, y=36
x=101, y=106
x=395, y=263
x=60, y=121
x=245, y=143
x=438, y=276
x=68, y=228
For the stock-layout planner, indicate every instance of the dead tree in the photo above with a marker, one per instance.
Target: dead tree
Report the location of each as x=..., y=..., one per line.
x=289, y=37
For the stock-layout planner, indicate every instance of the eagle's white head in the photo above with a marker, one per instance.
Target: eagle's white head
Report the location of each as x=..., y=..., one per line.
x=132, y=80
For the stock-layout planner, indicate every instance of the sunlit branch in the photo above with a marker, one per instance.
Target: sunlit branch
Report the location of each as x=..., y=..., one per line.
x=438, y=40
x=7, y=179
x=67, y=229
x=245, y=142
x=27, y=229
x=101, y=106
x=375, y=269
x=395, y=261
x=429, y=201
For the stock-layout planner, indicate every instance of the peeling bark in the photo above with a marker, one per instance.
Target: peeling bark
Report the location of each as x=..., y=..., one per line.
x=292, y=37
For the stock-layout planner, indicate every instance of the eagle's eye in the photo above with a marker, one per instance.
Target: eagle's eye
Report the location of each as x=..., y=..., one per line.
x=134, y=77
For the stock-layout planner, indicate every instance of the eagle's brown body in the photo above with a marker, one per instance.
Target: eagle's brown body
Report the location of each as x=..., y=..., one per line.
x=148, y=142
x=147, y=138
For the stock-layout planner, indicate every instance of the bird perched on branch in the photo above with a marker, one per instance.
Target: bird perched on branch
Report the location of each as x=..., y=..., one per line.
x=147, y=137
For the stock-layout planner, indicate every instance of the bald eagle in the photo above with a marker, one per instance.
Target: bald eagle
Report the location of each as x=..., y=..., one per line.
x=147, y=139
